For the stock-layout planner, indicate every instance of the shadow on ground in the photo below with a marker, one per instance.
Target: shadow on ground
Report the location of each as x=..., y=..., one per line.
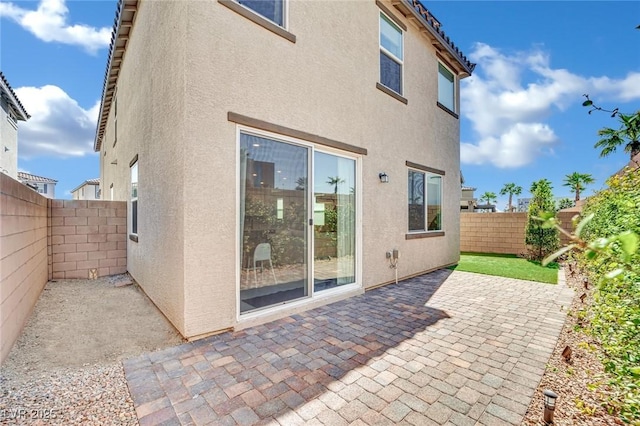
x=272, y=370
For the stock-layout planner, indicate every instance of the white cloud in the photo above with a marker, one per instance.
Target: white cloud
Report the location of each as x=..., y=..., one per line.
x=507, y=114
x=49, y=23
x=58, y=125
x=514, y=147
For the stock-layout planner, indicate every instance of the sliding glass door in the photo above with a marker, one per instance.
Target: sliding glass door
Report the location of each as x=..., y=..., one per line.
x=284, y=189
x=334, y=221
x=273, y=222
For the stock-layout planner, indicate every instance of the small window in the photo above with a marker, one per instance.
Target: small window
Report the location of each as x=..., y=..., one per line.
x=97, y=187
x=82, y=192
x=273, y=10
x=391, y=54
x=425, y=201
x=12, y=117
x=134, y=198
x=115, y=122
x=446, y=88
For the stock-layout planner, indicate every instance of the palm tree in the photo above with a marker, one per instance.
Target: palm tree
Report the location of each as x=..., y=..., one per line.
x=301, y=183
x=511, y=189
x=628, y=135
x=335, y=181
x=577, y=181
x=489, y=197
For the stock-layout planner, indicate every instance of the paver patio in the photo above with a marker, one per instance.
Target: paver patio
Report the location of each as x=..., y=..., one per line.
x=443, y=348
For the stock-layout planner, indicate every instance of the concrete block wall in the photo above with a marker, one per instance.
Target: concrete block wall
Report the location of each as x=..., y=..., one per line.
x=23, y=257
x=85, y=236
x=500, y=232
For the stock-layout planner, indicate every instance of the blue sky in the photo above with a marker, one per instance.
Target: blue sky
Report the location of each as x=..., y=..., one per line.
x=521, y=114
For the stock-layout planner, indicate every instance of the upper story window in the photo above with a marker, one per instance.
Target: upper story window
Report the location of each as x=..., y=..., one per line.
x=391, y=54
x=11, y=118
x=446, y=88
x=115, y=121
x=273, y=10
x=42, y=188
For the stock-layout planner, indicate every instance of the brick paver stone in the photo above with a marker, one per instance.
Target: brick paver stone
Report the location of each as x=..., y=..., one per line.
x=442, y=347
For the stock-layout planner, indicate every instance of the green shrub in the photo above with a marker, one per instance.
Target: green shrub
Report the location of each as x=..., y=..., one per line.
x=615, y=318
x=541, y=241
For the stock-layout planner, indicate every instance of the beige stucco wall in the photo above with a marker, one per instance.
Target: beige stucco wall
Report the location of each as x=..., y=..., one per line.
x=9, y=140
x=175, y=102
x=151, y=114
x=23, y=257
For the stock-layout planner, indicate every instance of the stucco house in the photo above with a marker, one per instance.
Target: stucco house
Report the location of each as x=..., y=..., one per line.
x=44, y=185
x=87, y=190
x=12, y=112
x=468, y=201
x=272, y=163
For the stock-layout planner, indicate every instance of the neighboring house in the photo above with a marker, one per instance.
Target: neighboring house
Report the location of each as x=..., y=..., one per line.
x=12, y=112
x=523, y=204
x=87, y=190
x=272, y=163
x=43, y=185
x=468, y=202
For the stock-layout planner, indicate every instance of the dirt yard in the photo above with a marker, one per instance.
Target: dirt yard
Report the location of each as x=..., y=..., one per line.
x=66, y=364
x=80, y=322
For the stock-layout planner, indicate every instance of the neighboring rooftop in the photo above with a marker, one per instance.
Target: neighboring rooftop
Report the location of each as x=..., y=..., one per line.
x=95, y=181
x=28, y=177
x=12, y=99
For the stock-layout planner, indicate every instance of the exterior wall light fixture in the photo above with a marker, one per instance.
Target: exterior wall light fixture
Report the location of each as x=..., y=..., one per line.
x=549, y=405
x=384, y=178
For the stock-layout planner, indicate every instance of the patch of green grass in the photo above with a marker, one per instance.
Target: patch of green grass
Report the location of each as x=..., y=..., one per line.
x=507, y=265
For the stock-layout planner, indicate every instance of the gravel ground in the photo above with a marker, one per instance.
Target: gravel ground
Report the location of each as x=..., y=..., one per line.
x=65, y=369
x=580, y=383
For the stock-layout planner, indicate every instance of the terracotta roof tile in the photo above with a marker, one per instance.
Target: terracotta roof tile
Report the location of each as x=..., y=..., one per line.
x=22, y=176
x=13, y=98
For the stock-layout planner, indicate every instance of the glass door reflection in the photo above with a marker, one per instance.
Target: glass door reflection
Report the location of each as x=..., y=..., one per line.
x=273, y=222
x=334, y=214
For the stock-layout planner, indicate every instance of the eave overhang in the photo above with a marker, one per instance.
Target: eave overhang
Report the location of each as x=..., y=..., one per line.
x=420, y=16
x=12, y=99
x=123, y=24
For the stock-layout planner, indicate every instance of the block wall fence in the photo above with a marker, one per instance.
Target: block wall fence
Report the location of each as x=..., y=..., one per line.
x=43, y=239
x=501, y=232
x=23, y=257
x=85, y=236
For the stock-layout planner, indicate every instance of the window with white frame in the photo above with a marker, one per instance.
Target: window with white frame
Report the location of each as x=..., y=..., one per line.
x=97, y=194
x=42, y=188
x=391, y=54
x=446, y=88
x=134, y=198
x=273, y=10
x=425, y=201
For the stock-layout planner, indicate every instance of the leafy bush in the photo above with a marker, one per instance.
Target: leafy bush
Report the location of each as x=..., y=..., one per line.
x=615, y=318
